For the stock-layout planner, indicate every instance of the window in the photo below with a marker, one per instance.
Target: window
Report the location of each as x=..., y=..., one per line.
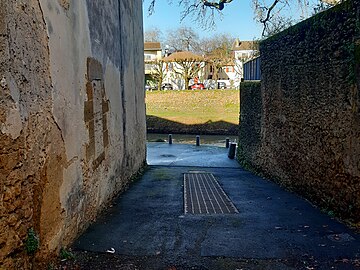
x=170, y=66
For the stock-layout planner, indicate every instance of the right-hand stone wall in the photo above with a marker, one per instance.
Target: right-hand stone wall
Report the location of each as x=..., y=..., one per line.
x=310, y=117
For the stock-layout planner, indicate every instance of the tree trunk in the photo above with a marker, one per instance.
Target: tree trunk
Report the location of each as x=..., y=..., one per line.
x=187, y=83
x=216, y=73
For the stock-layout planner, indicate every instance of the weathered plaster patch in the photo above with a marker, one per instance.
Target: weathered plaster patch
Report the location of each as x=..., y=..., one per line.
x=13, y=124
x=3, y=82
x=14, y=91
x=31, y=146
x=96, y=109
x=68, y=60
x=65, y=4
x=49, y=26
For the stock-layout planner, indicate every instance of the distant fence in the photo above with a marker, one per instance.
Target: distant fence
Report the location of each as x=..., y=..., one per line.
x=252, y=70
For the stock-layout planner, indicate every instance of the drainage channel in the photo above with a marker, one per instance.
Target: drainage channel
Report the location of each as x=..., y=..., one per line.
x=204, y=195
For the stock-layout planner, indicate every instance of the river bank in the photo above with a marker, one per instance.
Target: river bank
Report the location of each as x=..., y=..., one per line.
x=216, y=140
x=208, y=112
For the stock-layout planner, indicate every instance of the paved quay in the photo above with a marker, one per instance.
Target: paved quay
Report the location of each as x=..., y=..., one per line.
x=147, y=227
x=189, y=155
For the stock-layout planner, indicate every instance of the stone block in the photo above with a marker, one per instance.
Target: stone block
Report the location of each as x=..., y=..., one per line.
x=105, y=106
x=89, y=91
x=104, y=122
x=106, y=138
x=90, y=150
x=88, y=110
x=94, y=69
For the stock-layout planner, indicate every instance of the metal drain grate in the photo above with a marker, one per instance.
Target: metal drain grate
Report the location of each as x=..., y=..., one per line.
x=204, y=195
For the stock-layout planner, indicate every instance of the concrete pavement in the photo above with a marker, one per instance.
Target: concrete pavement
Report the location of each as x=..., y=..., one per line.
x=275, y=228
x=189, y=155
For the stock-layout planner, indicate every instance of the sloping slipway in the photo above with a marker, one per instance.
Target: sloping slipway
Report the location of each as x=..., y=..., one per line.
x=148, y=222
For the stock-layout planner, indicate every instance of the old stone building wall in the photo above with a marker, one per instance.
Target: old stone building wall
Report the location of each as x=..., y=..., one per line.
x=310, y=110
x=72, y=118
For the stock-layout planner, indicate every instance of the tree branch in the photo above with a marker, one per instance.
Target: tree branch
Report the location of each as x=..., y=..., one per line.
x=219, y=5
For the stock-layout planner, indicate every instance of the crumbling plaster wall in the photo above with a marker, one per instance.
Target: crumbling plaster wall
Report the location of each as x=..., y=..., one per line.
x=72, y=117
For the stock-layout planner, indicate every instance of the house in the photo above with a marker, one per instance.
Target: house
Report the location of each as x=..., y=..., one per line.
x=227, y=67
x=152, y=52
x=243, y=51
x=218, y=71
x=183, y=68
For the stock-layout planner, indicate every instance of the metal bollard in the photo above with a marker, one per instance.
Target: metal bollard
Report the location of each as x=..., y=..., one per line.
x=170, y=138
x=197, y=140
x=227, y=142
x=232, y=150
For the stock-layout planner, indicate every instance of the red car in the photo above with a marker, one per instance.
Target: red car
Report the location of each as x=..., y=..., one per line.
x=197, y=86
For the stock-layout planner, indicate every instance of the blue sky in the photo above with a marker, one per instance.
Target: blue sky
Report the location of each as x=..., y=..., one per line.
x=237, y=20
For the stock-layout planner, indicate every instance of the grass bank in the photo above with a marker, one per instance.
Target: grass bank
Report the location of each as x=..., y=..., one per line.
x=193, y=112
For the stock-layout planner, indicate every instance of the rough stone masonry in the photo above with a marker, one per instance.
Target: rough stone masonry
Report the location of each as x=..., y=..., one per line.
x=72, y=119
x=301, y=126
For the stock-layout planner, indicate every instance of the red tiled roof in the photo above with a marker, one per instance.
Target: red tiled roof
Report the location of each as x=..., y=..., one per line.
x=244, y=45
x=152, y=46
x=182, y=56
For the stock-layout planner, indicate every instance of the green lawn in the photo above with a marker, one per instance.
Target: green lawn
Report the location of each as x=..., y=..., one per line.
x=194, y=107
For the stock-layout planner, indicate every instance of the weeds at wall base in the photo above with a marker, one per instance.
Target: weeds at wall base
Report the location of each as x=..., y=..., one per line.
x=32, y=242
x=66, y=254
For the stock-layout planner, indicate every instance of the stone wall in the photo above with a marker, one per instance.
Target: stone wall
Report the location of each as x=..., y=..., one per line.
x=72, y=118
x=250, y=119
x=310, y=115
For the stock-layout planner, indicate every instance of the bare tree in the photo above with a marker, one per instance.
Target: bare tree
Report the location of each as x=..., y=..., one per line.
x=266, y=11
x=158, y=71
x=185, y=64
x=153, y=35
x=203, y=11
x=183, y=39
x=218, y=52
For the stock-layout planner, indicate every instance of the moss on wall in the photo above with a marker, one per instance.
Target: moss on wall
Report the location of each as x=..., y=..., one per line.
x=310, y=120
x=250, y=121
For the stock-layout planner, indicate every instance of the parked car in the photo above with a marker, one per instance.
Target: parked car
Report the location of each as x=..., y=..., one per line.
x=221, y=85
x=166, y=86
x=197, y=86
